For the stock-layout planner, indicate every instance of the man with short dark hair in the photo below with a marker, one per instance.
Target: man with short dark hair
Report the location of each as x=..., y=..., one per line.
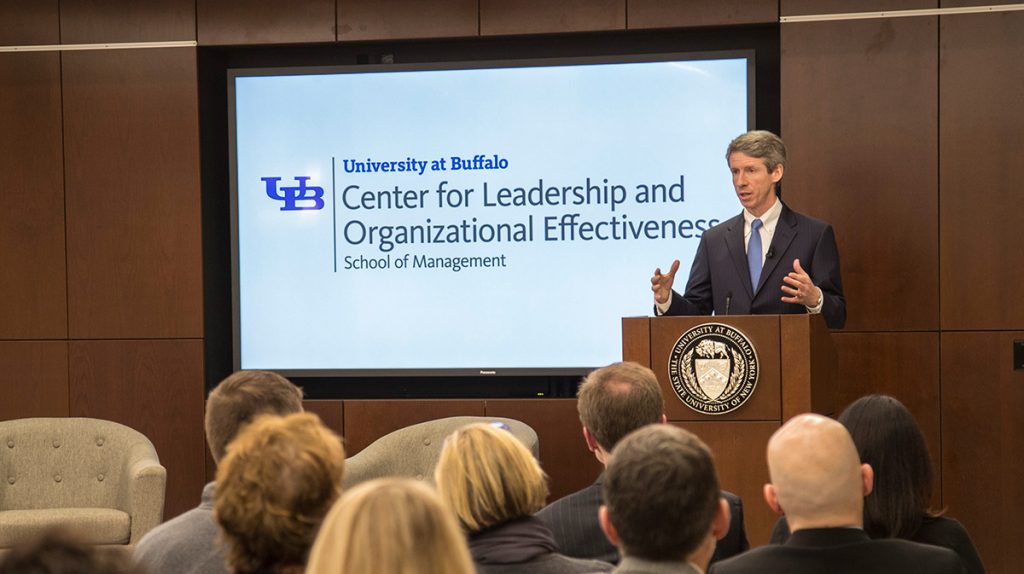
x=187, y=544
x=662, y=506
x=818, y=480
x=614, y=401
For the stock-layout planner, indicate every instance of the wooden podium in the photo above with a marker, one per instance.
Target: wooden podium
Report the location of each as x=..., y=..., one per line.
x=797, y=361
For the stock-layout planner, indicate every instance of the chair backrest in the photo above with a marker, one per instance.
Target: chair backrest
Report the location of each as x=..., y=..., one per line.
x=67, y=463
x=413, y=451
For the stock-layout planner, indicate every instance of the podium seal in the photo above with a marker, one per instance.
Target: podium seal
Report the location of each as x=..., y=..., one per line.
x=713, y=368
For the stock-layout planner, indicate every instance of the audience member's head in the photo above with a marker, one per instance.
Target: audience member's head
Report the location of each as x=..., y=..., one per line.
x=240, y=398
x=274, y=486
x=888, y=439
x=58, y=552
x=661, y=495
x=487, y=477
x=817, y=478
x=616, y=400
x=390, y=526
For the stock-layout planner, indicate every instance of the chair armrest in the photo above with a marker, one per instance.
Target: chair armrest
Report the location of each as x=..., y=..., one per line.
x=141, y=489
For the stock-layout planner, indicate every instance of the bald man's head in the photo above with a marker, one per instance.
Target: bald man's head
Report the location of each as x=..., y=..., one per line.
x=817, y=477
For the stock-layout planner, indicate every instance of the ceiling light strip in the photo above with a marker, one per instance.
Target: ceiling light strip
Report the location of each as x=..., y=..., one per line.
x=105, y=46
x=901, y=13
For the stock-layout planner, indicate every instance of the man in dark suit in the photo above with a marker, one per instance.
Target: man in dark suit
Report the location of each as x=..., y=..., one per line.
x=662, y=506
x=612, y=402
x=767, y=260
x=820, y=484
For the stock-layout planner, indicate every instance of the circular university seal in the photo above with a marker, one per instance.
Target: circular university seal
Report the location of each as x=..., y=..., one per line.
x=713, y=368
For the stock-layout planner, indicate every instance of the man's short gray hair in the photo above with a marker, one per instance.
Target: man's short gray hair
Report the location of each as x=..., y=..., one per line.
x=760, y=144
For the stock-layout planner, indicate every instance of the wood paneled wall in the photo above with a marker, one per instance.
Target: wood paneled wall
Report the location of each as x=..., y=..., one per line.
x=875, y=182
x=131, y=141
x=899, y=131
x=903, y=132
x=982, y=136
x=32, y=262
x=981, y=122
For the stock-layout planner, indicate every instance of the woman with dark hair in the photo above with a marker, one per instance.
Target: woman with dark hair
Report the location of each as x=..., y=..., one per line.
x=888, y=438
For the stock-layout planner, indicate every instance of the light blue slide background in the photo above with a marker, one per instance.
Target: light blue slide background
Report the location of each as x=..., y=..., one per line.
x=556, y=304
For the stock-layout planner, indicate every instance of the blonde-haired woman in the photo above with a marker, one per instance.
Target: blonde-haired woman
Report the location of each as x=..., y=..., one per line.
x=494, y=486
x=389, y=526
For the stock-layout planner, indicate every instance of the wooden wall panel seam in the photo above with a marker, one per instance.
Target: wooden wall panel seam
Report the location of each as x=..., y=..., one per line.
x=64, y=189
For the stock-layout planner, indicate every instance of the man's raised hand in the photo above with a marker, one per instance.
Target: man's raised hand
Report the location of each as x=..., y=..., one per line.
x=661, y=283
x=799, y=286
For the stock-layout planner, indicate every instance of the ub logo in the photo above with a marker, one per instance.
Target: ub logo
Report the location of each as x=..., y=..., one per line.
x=293, y=194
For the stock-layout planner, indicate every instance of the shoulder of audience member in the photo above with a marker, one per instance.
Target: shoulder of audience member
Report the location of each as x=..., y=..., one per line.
x=938, y=558
x=950, y=533
x=562, y=504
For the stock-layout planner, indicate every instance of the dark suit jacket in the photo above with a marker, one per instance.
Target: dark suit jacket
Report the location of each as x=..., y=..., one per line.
x=842, y=551
x=935, y=530
x=720, y=271
x=574, y=523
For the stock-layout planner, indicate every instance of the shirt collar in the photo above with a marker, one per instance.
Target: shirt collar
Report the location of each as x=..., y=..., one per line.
x=768, y=219
x=632, y=564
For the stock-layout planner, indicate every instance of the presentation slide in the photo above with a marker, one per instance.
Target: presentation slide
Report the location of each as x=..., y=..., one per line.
x=477, y=220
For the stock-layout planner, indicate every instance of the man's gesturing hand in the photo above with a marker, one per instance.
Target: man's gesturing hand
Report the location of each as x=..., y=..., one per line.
x=799, y=287
x=661, y=283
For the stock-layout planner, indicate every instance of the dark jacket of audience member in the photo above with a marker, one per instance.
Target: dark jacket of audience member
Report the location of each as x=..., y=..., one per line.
x=187, y=544
x=573, y=521
x=523, y=545
x=887, y=438
x=494, y=485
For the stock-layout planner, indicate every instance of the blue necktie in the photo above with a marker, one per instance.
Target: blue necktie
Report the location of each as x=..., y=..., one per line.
x=754, y=253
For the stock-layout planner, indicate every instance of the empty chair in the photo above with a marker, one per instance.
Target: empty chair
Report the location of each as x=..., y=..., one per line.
x=99, y=480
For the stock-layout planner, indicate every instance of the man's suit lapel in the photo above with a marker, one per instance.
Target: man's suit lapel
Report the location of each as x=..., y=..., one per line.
x=785, y=231
x=738, y=252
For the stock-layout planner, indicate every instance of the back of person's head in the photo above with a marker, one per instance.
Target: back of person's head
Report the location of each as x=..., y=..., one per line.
x=760, y=144
x=487, y=477
x=661, y=493
x=888, y=438
x=58, y=552
x=278, y=479
x=616, y=400
x=390, y=526
x=242, y=397
x=816, y=473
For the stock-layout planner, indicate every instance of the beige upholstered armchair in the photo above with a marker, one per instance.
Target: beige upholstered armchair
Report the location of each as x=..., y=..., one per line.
x=100, y=480
x=413, y=451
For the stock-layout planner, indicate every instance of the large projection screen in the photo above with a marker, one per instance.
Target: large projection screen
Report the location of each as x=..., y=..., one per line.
x=485, y=218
